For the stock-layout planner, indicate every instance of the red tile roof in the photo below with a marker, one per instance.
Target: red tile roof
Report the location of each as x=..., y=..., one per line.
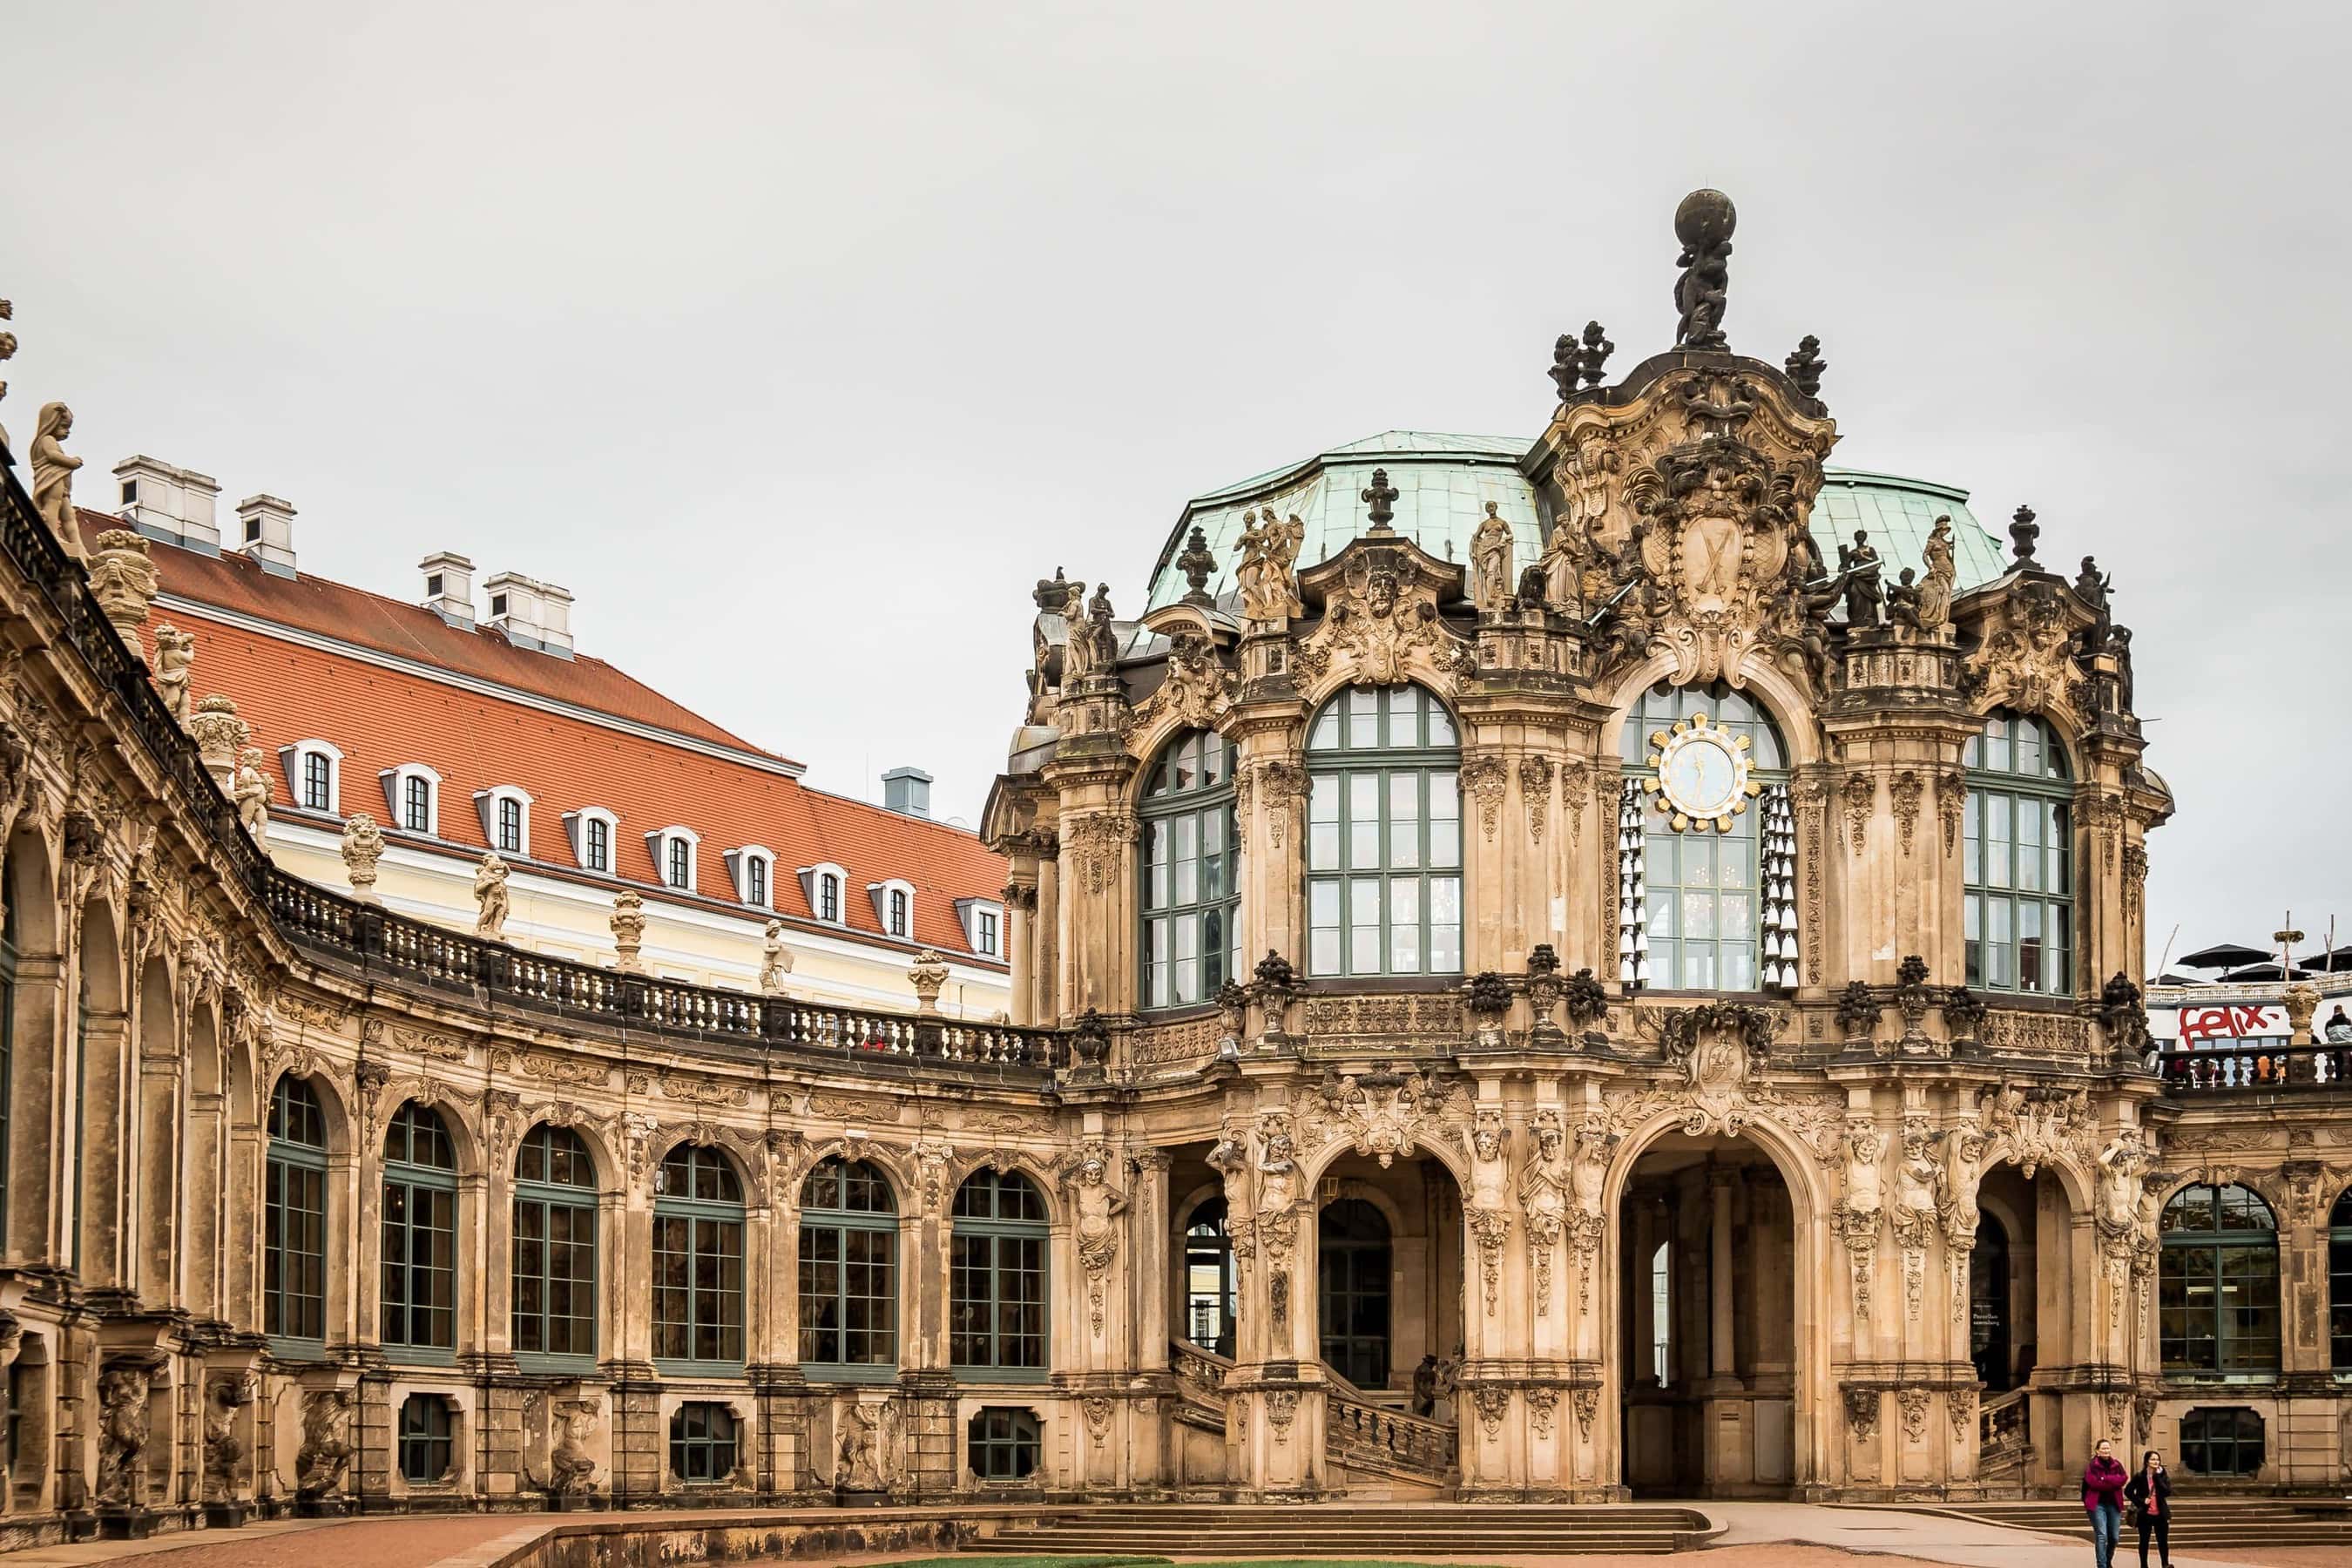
x=380, y=718
x=411, y=631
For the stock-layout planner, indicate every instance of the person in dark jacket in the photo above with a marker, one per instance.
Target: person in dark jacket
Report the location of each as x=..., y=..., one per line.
x=2104, y=1479
x=2150, y=1495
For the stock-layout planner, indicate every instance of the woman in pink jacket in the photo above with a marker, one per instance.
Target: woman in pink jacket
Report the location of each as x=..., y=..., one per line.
x=2104, y=1479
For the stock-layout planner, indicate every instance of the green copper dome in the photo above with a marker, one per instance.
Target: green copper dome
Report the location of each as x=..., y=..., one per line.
x=1443, y=483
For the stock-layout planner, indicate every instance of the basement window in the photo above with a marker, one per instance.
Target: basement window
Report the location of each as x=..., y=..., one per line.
x=1000, y=1444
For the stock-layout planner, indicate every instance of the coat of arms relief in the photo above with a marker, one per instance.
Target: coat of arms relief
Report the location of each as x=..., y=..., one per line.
x=1680, y=524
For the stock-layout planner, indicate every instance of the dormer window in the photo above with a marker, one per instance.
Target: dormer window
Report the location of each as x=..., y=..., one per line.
x=983, y=926
x=506, y=819
x=313, y=775
x=413, y=791
x=593, y=831
x=753, y=869
x=894, y=907
x=821, y=886
x=673, y=849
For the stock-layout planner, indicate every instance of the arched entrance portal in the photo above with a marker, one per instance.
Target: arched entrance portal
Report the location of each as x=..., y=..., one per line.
x=1708, y=1271
x=1387, y=1279
x=1352, y=1275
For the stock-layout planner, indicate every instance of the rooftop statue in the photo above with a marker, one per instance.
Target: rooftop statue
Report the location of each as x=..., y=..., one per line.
x=1704, y=224
x=1268, y=551
x=1935, y=608
x=175, y=655
x=1864, y=595
x=53, y=473
x=490, y=898
x=1491, y=582
x=252, y=792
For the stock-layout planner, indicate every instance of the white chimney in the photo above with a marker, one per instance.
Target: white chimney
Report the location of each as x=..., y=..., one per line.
x=169, y=503
x=449, y=587
x=531, y=612
x=265, y=533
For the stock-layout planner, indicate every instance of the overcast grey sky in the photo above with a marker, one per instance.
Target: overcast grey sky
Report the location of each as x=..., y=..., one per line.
x=799, y=339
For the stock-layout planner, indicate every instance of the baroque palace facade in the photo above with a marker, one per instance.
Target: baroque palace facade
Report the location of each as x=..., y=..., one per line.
x=1637, y=1009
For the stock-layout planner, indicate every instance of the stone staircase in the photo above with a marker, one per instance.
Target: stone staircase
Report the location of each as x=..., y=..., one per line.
x=2204, y=1524
x=1458, y=1532
x=1364, y=1434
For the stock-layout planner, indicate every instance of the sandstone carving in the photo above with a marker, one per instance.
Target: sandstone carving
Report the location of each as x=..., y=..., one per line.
x=362, y=847
x=53, y=473
x=490, y=898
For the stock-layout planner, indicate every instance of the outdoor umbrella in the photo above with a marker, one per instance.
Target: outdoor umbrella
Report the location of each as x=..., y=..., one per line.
x=2329, y=960
x=2226, y=956
x=2260, y=972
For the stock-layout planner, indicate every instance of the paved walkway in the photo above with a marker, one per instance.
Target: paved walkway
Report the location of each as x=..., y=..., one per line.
x=1759, y=1535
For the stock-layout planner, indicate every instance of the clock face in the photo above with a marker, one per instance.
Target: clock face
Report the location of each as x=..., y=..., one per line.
x=1702, y=775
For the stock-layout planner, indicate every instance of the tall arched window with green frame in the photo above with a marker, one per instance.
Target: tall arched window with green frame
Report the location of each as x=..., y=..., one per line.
x=1705, y=845
x=2217, y=1286
x=2017, y=858
x=848, y=1272
x=1384, y=834
x=2339, y=1283
x=7, y=1029
x=554, y=1245
x=294, y=1222
x=420, y=1233
x=996, y=1277
x=697, y=1260
x=1192, y=863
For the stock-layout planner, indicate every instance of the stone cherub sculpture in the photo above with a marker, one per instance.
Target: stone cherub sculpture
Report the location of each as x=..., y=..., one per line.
x=490, y=898
x=252, y=792
x=1269, y=550
x=1903, y=602
x=53, y=472
x=1491, y=582
x=176, y=658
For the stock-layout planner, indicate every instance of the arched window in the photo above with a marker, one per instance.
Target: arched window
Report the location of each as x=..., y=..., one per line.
x=1384, y=834
x=849, y=1267
x=996, y=1275
x=1353, y=1269
x=828, y=898
x=1191, y=890
x=1706, y=844
x=554, y=1245
x=420, y=1232
x=294, y=1218
x=2017, y=858
x=898, y=912
x=1209, y=1279
x=7, y=1029
x=2218, y=1282
x=2339, y=1283
x=698, y=1258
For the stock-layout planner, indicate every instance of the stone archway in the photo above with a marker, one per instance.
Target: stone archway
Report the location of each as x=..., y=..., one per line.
x=1709, y=1345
